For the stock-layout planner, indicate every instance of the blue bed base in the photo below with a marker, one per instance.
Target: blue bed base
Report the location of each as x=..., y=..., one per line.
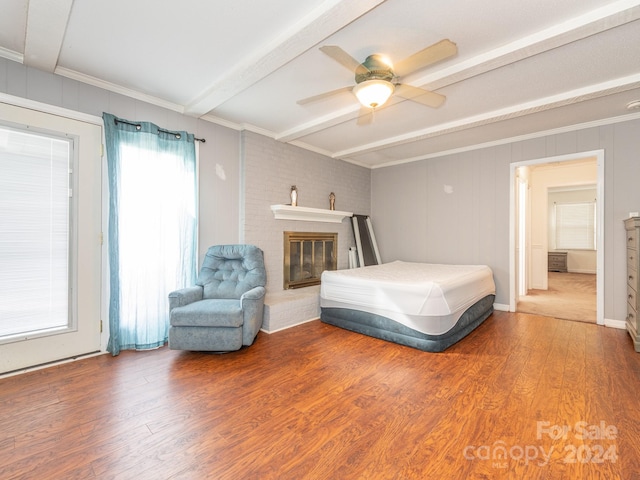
x=392, y=331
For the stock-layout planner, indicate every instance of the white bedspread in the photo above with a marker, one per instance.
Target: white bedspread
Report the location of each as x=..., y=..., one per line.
x=407, y=292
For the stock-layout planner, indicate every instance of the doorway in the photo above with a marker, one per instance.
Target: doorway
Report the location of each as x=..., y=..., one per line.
x=76, y=306
x=575, y=292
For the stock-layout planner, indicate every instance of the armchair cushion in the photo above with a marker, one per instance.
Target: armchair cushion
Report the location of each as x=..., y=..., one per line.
x=228, y=313
x=228, y=271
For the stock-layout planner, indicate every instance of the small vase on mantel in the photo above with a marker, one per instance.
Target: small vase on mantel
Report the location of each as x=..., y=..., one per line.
x=294, y=196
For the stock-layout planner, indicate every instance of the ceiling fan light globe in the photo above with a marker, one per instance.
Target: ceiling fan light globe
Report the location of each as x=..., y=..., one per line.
x=373, y=93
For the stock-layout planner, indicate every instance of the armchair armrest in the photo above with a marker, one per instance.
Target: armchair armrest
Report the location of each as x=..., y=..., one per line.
x=256, y=293
x=252, y=303
x=184, y=296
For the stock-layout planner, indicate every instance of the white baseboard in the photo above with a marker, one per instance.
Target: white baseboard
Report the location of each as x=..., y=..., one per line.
x=51, y=364
x=621, y=324
x=269, y=332
x=501, y=307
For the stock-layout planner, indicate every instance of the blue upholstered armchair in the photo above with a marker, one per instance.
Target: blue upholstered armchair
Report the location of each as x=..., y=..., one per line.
x=224, y=310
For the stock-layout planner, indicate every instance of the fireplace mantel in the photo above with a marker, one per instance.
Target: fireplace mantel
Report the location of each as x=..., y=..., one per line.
x=308, y=214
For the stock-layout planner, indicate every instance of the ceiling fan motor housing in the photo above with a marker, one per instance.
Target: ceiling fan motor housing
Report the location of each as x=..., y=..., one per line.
x=377, y=68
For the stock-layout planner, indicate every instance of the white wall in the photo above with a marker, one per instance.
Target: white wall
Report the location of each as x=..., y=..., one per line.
x=471, y=223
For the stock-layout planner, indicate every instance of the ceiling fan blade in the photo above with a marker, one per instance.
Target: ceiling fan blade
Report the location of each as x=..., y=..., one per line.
x=436, y=52
x=344, y=59
x=365, y=117
x=324, y=95
x=420, y=95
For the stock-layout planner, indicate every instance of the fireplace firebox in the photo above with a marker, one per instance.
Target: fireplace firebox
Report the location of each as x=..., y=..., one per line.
x=306, y=256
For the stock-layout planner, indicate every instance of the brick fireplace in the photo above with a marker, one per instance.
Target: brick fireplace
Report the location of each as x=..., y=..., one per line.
x=270, y=168
x=303, y=256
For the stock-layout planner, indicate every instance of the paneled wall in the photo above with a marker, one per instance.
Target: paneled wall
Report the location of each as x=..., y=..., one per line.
x=450, y=209
x=446, y=210
x=455, y=208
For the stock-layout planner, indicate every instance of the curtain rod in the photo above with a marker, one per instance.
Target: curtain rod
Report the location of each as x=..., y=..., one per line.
x=138, y=127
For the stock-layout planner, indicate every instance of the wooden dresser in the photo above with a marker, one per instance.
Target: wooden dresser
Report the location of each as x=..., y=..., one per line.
x=632, y=225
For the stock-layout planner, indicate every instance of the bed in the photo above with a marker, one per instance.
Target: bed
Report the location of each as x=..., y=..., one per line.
x=425, y=306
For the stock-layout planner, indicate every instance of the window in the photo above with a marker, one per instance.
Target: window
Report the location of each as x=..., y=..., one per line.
x=152, y=228
x=576, y=226
x=34, y=233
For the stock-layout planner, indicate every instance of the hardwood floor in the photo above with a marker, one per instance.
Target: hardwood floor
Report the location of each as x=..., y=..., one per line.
x=317, y=402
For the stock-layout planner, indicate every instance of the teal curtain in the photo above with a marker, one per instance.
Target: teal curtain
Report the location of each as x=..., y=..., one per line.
x=152, y=228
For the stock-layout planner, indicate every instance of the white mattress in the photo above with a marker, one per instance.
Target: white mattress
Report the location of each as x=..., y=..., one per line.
x=429, y=298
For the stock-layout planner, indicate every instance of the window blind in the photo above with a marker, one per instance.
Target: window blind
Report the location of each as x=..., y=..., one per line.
x=575, y=226
x=34, y=232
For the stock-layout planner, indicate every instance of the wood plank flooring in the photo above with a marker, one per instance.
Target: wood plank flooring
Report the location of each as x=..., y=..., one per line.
x=523, y=396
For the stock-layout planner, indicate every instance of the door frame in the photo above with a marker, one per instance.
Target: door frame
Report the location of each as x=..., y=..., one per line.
x=90, y=239
x=513, y=225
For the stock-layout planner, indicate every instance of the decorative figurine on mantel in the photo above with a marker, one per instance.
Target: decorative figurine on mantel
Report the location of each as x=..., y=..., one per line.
x=294, y=196
x=332, y=201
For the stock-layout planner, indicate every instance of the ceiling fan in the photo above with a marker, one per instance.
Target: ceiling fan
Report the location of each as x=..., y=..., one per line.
x=377, y=78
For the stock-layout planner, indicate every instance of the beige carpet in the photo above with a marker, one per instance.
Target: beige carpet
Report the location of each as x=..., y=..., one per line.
x=571, y=296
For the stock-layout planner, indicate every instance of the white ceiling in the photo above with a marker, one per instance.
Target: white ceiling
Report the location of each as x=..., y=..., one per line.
x=522, y=67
